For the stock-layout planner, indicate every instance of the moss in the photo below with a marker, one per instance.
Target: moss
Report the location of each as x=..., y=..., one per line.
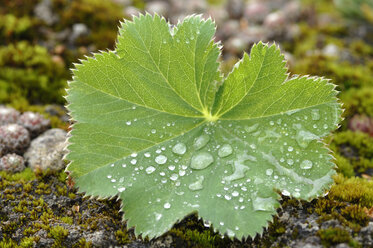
x=355, y=214
x=355, y=190
x=122, y=237
x=334, y=236
x=344, y=166
x=25, y=175
x=28, y=73
x=358, y=101
x=58, y=233
x=356, y=147
x=67, y=220
x=101, y=17
x=13, y=28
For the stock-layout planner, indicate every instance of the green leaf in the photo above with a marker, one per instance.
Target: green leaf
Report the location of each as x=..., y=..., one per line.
x=154, y=128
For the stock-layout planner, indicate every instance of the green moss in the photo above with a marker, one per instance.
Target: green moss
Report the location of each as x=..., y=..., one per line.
x=356, y=147
x=122, y=237
x=67, y=220
x=14, y=28
x=334, y=236
x=358, y=101
x=101, y=17
x=58, y=233
x=29, y=74
x=355, y=190
x=344, y=166
x=355, y=214
x=25, y=175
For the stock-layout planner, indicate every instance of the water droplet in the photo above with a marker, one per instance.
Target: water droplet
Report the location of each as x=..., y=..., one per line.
x=239, y=168
x=124, y=165
x=134, y=155
x=227, y=197
x=263, y=204
x=221, y=223
x=147, y=154
x=269, y=172
x=285, y=192
x=201, y=141
x=150, y=170
x=121, y=189
x=158, y=216
x=235, y=193
x=201, y=160
x=160, y=159
x=128, y=123
x=174, y=177
x=133, y=161
x=290, y=148
x=164, y=42
x=171, y=167
x=303, y=137
x=252, y=128
x=113, y=180
x=207, y=223
x=182, y=173
x=325, y=126
x=162, y=174
x=253, y=146
x=167, y=205
x=153, y=131
x=225, y=151
x=315, y=114
x=197, y=185
x=271, y=123
x=179, y=148
x=290, y=162
x=306, y=164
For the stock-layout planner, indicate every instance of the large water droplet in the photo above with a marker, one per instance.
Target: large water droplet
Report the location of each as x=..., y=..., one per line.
x=225, y=151
x=150, y=170
x=269, y=172
x=239, y=168
x=197, y=185
x=306, y=165
x=252, y=128
x=315, y=114
x=201, y=160
x=161, y=159
x=303, y=137
x=179, y=148
x=167, y=205
x=201, y=141
x=263, y=204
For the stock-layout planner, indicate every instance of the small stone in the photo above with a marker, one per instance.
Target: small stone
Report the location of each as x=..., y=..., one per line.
x=14, y=138
x=34, y=122
x=8, y=115
x=47, y=150
x=12, y=163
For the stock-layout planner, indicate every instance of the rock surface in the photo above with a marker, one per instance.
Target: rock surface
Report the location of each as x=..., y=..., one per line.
x=47, y=150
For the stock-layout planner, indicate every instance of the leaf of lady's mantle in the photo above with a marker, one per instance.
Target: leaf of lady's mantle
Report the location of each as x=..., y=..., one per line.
x=153, y=127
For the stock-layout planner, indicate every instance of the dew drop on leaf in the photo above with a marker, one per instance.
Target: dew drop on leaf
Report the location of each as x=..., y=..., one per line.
x=235, y=193
x=201, y=160
x=121, y=189
x=252, y=128
x=171, y=167
x=303, y=137
x=150, y=170
x=167, y=205
x=285, y=192
x=161, y=159
x=315, y=114
x=174, y=177
x=179, y=148
x=306, y=164
x=197, y=185
x=269, y=172
x=225, y=151
x=239, y=168
x=263, y=204
x=201, y=141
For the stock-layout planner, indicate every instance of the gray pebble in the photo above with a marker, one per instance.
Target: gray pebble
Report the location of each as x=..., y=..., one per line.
x=47, y=150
